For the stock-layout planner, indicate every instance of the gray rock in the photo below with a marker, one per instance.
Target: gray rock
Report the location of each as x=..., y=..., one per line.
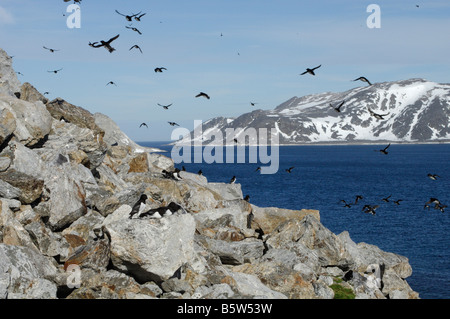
x=227, y=191
x=9, y=83
x=151, y=249
x=250, y=286
x=7, y=124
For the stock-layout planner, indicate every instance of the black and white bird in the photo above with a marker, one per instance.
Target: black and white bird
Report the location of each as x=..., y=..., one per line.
x=200, y=172
x=363, y=79
x=164, y=211
x=233, y=180
x=173, y=124
x=376, y=115
x=369, y=209
x=137, y=206
x=136, y=47
x=202, y=94
x=433, y=176
x=175, y=175
x=311, y=71
x=384, y=150
x=105, y=44
x=247, y=198
x=138, y=17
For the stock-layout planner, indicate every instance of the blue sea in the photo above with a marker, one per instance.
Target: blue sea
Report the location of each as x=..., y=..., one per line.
x=325, y=175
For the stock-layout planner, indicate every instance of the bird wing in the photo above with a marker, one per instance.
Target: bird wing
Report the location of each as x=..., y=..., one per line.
x=304, y=73
x=120, y=13
x=112, y=39
x=386, y=149
x=317, y=67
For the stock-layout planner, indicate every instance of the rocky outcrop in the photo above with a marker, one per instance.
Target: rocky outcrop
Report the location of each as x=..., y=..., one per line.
x=69, y=181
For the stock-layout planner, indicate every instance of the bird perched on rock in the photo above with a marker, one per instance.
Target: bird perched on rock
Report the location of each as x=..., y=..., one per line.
x=363, y=79
x=311, y=71
x=163, y=211
x=202, y=94
x=233, y=180
x=137, y=205
x=105, y=44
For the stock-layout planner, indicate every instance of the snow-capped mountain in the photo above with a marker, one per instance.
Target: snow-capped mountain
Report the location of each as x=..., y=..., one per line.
x=417, y=111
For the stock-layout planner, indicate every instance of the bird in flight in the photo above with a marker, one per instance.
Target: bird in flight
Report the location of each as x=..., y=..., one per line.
x=376, y=115
x=111, y=82
x=135, y=47
x=338, y=108
x=54, y=71
x=311, y=71
x=361, y=78
x=397, y=202
x=370, y=209
x=358, y=197
x=289, y=170
x=165, y=106
x=159, y=70
x=384, y=150
x=173, y=124
x=202, y=94
x=253, y=103
x=346, y=204
x=433, y=176
x=129, y=17
x=386, y=199
x=134, y=29
x=106, y=44
x=143, y=124
x=51, y=50
x=138, y=18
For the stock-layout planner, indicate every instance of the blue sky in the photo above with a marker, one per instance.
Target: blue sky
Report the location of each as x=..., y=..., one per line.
x=264, y=47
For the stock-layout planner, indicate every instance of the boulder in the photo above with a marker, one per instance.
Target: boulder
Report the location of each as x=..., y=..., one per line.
x=9, y=83
x=29, y=93
x=151, y=249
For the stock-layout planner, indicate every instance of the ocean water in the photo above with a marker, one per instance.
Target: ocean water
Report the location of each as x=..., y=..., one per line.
x=325, y=175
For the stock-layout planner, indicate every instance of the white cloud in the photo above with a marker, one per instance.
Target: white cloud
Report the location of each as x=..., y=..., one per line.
x=6, y=17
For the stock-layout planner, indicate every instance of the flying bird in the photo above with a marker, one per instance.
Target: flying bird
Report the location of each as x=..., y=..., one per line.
x=386, y=199
x=346, y=204
x=338, y=108
x=134, y=29
x=376, y=115
x=397, y=202
x=159, y=70
x=384, y=150
x=370, y=209
x=361, y=78
x=143, y=124
x=51, y=50
x=358, y=197
x=111, y=82
x=54, y=71
x=202, y=94
x=106, y=44
x=289, y=170
x=165, y=106
x=129, y=17
x=433, y=176
x=135, y=47
x=138, y=18
x=253, y=104
x=173, y=124
x=311, y=71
